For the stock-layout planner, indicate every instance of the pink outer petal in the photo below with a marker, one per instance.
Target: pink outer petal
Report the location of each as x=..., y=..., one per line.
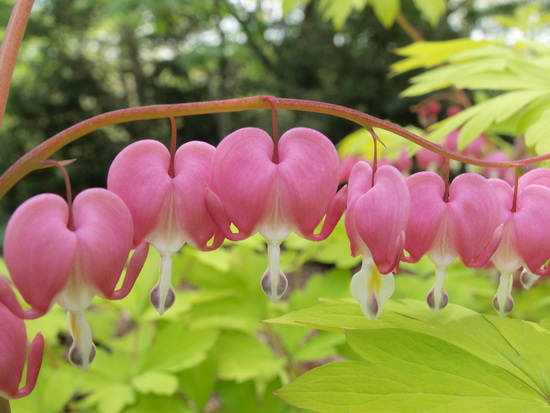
x=539, y=176
x=381, y=215
x=39, y=249
x=193, y=164
x=531, y=222
x=505, y=194
x=139, y=175
x=359, y=183
x=103, y=225
x=308, y=172
x=244, y=178
x=474, y=214
x=428, y=210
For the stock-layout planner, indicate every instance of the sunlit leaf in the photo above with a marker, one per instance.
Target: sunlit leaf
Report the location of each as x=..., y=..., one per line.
x=409, y=371
x=432, y=10
x=386, y=11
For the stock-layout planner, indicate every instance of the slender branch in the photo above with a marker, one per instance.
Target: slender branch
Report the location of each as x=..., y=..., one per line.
x=408, y=28
x=31, y=161
x=10, y=48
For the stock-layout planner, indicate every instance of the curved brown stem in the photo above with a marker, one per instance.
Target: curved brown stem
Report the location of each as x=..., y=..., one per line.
x=31, y=161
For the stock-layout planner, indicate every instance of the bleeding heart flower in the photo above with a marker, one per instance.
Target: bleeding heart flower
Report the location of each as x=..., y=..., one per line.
x=465, y=224
x=273, y=190
x=68, y=254
x=13, y=354
x=166, y=196
x=525, y=239
x=376, y=219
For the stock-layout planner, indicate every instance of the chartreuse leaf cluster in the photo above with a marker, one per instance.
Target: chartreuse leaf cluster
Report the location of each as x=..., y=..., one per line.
x=386, y=11
x=515, y=76
x=411, y=360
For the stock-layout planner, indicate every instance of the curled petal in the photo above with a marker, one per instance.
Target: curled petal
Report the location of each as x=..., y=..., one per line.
x=13, y=352
x=134, y=268
x=335, y=211
x=39, y=249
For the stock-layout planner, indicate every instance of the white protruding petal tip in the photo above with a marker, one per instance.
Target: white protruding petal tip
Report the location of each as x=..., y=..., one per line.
x=528, y=279
x=372, y=289
x=503, y=301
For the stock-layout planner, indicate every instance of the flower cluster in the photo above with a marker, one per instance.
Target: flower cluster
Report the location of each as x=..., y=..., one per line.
x=67, y=252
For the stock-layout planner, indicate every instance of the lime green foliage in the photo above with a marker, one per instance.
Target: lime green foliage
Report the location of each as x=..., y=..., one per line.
x=386, y=11
x=513, y=72
x=458, y=360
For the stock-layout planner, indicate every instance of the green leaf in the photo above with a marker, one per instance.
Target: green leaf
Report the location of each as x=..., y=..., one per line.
x=432, y=10
x=156, y=382
x=481, y=340
x=409, y=371
x=111, y=399
x=386, y=11
x=151, y=403
x=430, y=54
x=176, y=348
x=339, y=10
x=198, y=383
x=242, y=357
x=289, y=5
x=536, y=135
x=478, y=118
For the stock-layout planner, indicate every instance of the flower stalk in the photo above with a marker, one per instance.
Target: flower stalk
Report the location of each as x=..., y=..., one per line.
x=31, y=161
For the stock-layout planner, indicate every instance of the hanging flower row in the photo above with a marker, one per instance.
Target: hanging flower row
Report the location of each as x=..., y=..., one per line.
x=65, y=252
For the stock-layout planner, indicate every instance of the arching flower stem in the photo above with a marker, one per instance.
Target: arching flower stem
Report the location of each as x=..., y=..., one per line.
x=69, y=193
x=447, y=179
x=173, y=146
x=31, y=161
x=516, y=185
x=275, y=123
